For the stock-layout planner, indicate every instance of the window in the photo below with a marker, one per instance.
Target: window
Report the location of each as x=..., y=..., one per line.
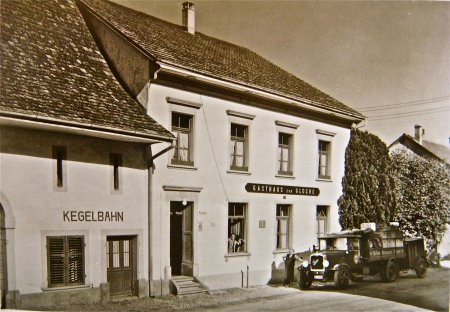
x=322, y=220
x=116, y=163
x=238, y=147
x=236, y=227
x=65, y=257
x=182, y=127
x=60, y=156
x=324, y=159
x=283, y=212
x=284, y=153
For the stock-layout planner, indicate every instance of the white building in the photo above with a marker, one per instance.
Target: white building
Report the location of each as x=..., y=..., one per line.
x=74, y=154
x=259, y=156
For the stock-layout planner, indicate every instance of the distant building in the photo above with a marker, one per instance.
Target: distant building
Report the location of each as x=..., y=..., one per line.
x=259, y=157
x=428, y=150
x=74, y=163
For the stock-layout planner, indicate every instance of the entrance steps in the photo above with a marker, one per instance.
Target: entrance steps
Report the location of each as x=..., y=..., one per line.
x=186, y=285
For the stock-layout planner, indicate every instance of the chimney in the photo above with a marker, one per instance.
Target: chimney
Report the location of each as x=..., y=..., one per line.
x=419, y=133
x=189, y=17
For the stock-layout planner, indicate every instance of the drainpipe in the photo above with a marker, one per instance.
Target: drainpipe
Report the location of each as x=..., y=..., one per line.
x=151, y=170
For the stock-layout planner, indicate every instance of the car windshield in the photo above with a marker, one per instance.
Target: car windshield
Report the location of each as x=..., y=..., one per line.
x=339, y=243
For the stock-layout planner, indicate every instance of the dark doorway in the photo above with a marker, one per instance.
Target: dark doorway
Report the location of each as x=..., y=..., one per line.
x=121, y=266
x=181, y=249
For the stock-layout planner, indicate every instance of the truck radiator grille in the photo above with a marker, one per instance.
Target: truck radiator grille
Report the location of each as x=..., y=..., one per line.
x=317, y=262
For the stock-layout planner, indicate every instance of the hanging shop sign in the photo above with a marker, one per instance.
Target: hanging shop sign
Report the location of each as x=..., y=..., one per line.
x=281, y=189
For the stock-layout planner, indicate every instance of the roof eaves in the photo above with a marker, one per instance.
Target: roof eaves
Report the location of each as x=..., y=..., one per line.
x=356, y=117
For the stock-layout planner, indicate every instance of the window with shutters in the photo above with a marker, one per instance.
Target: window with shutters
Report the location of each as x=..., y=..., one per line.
x=283, y=212
x=65, y=257
x=239, y=147
x=182, y=128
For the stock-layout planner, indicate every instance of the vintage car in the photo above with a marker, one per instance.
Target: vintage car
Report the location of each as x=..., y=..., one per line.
x=350, y=255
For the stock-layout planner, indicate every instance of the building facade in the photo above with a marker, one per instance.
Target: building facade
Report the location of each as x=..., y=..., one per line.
x=75, y=154
x=259, y=157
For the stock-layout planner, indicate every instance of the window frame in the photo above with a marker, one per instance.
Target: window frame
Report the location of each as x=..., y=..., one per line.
x=244, y=226
x=288, y=230
x=322, y=218
x=233, y=141
x=284, y=146
x=66, y=263
x=327, y=154
x=59, y=155
x=116, y=162
x=189, y=131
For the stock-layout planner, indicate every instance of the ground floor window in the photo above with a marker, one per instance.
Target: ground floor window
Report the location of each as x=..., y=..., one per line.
x=65, y=257
x=282, y=215
x=236, y=227
x=322, y=220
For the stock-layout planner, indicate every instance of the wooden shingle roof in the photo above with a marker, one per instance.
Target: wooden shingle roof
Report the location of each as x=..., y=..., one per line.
x=52, y=71
x=173, y=45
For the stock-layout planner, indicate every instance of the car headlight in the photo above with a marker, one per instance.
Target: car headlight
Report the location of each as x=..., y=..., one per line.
x=326, y=264
x=305, y=264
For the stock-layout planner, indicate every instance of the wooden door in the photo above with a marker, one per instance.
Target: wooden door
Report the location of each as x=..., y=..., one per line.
x=181, y=249
x=121, y=268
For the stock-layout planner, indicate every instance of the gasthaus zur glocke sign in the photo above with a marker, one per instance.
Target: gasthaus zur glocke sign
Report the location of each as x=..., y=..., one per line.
x=281, y=189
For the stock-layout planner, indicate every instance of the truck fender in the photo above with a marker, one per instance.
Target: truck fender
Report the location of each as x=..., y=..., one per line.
x=335, y=267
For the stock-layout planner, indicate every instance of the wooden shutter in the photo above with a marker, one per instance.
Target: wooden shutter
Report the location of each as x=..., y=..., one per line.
x=65, y=260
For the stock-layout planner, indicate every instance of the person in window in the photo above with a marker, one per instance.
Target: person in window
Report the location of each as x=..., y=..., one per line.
x=289, y=263
x=233, y=243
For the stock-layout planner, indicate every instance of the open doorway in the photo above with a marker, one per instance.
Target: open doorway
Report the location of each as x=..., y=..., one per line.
x=181, y=247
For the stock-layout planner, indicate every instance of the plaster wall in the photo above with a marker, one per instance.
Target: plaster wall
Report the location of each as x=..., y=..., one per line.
x=28, y=187
x=219, y=186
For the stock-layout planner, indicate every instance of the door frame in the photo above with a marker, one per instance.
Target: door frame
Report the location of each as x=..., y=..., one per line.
x=186, y=266
x=133, y=261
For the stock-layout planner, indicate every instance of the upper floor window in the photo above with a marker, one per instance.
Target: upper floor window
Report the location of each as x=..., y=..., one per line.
x=116, y=163
x=239, y=147
x=60, y=157
x=284, y=153
x=65, y=260
x=282, y=215
x=182, y=127
x=324, y=159
x=236, y=227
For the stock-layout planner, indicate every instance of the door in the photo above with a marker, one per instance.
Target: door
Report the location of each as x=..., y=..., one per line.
x=121, y=264
x=181, y=249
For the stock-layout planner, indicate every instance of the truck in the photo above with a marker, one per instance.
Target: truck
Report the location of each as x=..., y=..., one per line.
x=351, y=255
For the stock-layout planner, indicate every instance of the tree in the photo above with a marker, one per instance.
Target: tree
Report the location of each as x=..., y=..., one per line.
x=368, y=184
x=423, y=195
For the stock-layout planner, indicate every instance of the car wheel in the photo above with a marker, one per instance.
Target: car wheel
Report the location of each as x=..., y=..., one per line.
x=342, y=277
x=390, y=273
x=303, y=281
x=421, y=268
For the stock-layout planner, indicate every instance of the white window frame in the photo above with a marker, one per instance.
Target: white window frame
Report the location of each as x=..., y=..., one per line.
x=244, y=120
x=242, y=236
x=287, y=218
x=326, y=137
x=177, y=130
x=325, y=218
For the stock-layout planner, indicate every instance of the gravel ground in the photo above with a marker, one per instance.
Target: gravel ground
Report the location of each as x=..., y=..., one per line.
x=173, y=303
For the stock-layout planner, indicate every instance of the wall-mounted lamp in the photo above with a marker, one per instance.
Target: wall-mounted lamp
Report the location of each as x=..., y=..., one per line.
x=184, y=202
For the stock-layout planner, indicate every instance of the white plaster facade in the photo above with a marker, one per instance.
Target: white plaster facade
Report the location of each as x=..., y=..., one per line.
x=34, y=207
x=213, y=186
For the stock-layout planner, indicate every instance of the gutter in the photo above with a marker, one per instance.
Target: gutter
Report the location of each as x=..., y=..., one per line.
x=306, y=104
x=73, y=127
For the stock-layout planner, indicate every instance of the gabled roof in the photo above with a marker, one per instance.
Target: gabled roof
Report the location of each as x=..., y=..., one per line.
x=427, y=149
x=201, y=54
x=53, y=72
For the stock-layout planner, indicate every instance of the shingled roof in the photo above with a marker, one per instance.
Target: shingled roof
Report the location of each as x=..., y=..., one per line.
x=53, y=72
x=173, y=45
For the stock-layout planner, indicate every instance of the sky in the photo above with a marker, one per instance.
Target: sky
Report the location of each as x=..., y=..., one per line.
x=388, y=60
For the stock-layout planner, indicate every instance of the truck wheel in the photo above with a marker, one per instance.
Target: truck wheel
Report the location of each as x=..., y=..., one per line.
x=390, y=273
x=421, y=268
x=342, y=277
x=303, y=282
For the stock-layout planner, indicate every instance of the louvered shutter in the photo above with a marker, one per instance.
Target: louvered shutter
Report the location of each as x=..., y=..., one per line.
x=56, y=255
x=75, y=259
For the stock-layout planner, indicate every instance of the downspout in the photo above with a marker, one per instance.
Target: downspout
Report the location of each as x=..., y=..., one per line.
x=151, y=170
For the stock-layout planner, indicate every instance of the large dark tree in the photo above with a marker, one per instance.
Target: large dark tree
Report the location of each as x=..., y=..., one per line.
x=368, y=184
x=423, y=196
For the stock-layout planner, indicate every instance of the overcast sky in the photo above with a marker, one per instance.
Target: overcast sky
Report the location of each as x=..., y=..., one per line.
x=388, y=60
